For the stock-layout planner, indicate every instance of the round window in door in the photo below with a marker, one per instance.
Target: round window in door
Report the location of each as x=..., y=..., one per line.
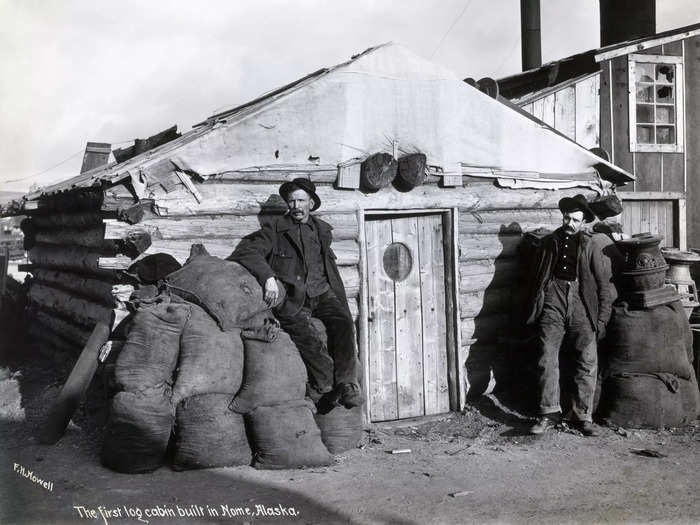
x=397, y=261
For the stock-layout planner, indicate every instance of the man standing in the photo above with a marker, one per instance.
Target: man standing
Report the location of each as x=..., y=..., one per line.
x=573, y=295
x=295, y=249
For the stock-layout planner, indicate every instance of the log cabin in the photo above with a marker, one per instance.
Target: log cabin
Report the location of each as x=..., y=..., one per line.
x=430, y=266
x=638, y=99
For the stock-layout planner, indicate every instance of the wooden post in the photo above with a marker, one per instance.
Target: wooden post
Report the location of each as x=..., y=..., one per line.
x=4, y=262
x=363, y=312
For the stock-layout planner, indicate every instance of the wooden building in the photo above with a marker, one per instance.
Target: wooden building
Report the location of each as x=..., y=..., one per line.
x=639, y=100
x=430, y=330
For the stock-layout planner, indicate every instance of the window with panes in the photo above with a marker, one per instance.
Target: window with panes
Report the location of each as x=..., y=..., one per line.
x=656, y=103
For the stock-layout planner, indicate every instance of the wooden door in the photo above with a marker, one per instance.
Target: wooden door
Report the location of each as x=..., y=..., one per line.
x=408, y=365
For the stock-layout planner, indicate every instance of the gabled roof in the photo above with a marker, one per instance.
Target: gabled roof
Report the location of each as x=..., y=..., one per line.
x=384, y=96
x=520, y=86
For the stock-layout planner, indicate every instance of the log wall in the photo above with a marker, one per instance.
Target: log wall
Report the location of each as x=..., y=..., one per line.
x=73, y=286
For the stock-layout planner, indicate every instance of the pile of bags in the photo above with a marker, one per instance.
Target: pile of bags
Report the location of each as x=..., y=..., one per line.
x=648, y=380
x=207, y=379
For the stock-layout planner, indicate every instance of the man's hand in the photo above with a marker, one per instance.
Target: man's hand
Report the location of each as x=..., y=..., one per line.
x=601, y=330
x=272, y=292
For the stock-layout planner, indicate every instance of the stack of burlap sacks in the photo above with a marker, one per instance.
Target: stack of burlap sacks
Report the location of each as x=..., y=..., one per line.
x=648, y=380
x=199, y=387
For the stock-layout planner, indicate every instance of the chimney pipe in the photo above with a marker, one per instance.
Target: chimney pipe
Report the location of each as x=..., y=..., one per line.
x=96, y=154
x=623, y=20
x=530, y=34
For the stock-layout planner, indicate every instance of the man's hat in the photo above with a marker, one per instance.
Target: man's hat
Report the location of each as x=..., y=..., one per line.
x=301, y=184
x=577, y=203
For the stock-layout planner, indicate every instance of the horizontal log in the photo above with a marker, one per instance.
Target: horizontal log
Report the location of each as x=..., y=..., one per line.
x=487, y=302
x=67, y=305
x=220, y=226
x=97, y=290
x=67, y=220
x=346, y=251
x=251, y=199
x=93, y=237
x=76, y=259
x=508, y=221
x=73, y=333
x=477, y=246
x=488, y=273
x=50, y=343
x=351, y=279
x=318, y=177
x=485, y=328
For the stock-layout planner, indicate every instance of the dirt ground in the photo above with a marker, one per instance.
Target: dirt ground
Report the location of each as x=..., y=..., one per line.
x=479, y=466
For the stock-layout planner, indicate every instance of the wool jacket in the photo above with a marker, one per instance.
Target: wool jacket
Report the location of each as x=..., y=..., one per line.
x=276, y=251
x=594, y=276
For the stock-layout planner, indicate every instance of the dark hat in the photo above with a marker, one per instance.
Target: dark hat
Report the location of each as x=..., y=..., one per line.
x=576, y=203
x=607, y=206
x=301, y=184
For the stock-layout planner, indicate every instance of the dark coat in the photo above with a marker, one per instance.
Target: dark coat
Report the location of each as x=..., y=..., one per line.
x=594, y=276
x=276, y=251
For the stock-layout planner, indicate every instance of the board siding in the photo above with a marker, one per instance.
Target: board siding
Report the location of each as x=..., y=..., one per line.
x=648, y=171
x=587, y=112
x=620, y=115
x=565, y=111
x=692, y=137
x=605, y=109
x=380, y=290
x=432, y=279
x=409, y=333
x=673, y=167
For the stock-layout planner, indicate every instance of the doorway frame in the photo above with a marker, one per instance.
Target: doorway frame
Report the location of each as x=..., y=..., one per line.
x=450, y=222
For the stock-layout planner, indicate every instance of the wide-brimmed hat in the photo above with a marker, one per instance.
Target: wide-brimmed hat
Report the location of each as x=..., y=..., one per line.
x=577, y=203
x=301, y=184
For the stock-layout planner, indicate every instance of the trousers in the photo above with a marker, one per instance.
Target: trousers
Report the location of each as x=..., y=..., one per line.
x=330, y=366
x=565, y=331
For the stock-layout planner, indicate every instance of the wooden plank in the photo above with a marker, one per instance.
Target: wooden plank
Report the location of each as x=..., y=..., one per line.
x=528, y=108
x=476, y=276
x=565, y=111
x=588, y=112
x=409, y=329
x=673, y=48
x=432, y=284
x=382, y=388
x=454, y=337
x=654, y=207
x=652, y=195
x=636, y=47
x=620, y=115
x=605, y=111
x=548, y=110
x=673, y=176
x=363, y=315
x=692, y=138
x=661, y=222
x=648, y=171
x=325, y=176
x=682, y=233
x=538, y=109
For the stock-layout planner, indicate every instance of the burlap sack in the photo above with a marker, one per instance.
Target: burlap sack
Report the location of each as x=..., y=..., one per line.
x=286, y=436
x=341, y=428
x=211, y=360
x=138, y=430
x=149, y=355
x=208, y=434
x=225, y=289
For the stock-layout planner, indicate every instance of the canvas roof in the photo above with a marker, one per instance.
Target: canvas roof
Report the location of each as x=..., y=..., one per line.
x=383, y=96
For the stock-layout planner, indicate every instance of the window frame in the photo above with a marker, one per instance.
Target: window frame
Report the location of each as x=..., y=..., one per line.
x=679, y=120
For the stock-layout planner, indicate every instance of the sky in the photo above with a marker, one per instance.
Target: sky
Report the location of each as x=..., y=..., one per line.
x=77, y=71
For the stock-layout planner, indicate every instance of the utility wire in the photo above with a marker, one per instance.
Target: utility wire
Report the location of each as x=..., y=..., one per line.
x=60, y=164
x=507, y=57
x=454, y=23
